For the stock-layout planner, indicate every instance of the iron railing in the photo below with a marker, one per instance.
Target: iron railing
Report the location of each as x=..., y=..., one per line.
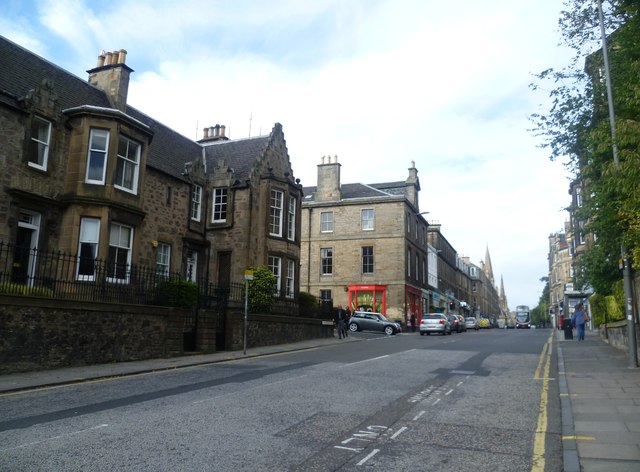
x=56, y=275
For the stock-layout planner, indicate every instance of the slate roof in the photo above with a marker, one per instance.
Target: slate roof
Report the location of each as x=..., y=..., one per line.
x=362, y=191
x=240, y=154
x=22, y=71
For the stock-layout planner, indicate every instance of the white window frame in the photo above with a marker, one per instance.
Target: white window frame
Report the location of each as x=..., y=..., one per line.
x=291, y=221
x=30, y=220
x=163, y=260
x=326, y=253
x=220, y=205
x=326, y=222
x=275, y=264
x=196, y=202
x=192, y=265
x=89, y=236
x=368, y=219
x=41, y=144
x=94, y=153
x=128, y=165
x=120, y=239
x=290, y=289
x=276, y=201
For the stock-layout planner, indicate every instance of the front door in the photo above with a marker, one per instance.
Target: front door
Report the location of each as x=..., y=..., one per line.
x=26, y=249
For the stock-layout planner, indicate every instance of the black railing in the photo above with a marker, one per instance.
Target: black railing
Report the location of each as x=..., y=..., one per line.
x=56, y=275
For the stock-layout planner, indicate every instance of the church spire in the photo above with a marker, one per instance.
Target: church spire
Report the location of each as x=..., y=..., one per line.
x=488, y=269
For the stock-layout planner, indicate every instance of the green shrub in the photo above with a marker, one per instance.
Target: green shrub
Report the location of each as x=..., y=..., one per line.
x=262, y=290
x=21, y=289
x=177, y=292
x=308, y=304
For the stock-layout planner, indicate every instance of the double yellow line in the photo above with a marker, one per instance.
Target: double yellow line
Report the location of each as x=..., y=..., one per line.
x=544, y=364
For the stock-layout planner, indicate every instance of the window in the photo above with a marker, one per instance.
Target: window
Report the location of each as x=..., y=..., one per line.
x=325, y=294
x=167, y=196
x=367, y=220
x=97, y=159
x=163, y=260
x=408, y=223
x=291, y=222
x=120, y=240
x=219, y=205
x=88, y=248
x=38, y=151
x=326, y=222
x=275, y=213
x=326, y=261
x=275, y=264
x=291, y=281
x=409, y=263
x=417, y=266
x=367, y=260
x=196, y=202
x=192, y=265
x=128, y=165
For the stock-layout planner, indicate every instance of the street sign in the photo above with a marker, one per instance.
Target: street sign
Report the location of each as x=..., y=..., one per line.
x=248, y=274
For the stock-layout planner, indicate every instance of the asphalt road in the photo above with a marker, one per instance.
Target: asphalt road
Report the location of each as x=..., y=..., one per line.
x=474, y=401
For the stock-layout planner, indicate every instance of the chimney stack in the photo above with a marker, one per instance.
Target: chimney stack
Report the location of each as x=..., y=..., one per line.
x=328, y=189
x=112, y=77
x=214, y=133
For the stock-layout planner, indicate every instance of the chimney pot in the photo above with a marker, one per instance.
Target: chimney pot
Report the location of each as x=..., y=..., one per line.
x=222, y=129
x=211, y=132
x=205, y=133
x=101, y=60
x=108, y=58
x=122, y=56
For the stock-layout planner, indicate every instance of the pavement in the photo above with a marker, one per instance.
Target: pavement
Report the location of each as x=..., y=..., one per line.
x=599, y=394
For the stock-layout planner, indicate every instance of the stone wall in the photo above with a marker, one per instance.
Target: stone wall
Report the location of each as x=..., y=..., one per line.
x=268, y=330
x=616, y=336
x=38, y=334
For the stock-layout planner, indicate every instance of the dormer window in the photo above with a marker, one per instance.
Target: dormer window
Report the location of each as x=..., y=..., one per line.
x=219, y=214
x=38, y=152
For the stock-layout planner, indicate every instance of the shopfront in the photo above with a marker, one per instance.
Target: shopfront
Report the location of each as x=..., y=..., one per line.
x=368, y=298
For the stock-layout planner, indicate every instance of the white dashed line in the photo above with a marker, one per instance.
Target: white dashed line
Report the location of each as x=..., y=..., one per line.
x=419, y=415
x=373, y=453
x=399, y=432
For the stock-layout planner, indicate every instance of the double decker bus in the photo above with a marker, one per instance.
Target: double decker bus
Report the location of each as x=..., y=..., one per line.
x=523, y=317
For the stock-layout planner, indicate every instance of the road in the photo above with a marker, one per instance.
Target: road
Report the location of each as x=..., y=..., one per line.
x=474, y=401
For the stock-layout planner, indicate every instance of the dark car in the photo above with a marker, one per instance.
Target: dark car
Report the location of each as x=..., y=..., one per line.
x=372, y=321
x=435, y=323
x=456, y=324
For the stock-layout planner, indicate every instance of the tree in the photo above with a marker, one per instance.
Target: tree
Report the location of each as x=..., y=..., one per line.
x=576, y=128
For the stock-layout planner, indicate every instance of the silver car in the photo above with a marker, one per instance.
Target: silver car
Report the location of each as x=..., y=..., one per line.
x=471, y=323
x=372, y=321
x=435, y=323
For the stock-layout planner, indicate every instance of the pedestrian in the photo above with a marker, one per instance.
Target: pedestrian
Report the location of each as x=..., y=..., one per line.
x=412, y=320
x=347, y=317
x=340, y=314
x=578, y=319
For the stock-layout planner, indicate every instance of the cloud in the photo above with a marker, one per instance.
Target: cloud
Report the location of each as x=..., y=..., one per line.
x=379, y=83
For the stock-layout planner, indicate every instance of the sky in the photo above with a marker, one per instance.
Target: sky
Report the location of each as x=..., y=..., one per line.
x=381, y=84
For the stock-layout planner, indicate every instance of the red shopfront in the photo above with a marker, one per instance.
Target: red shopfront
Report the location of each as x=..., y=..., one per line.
x=413, y=304
x=368, y=298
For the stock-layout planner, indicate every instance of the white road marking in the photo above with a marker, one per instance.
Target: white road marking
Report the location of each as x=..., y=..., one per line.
x=74, y=433
x=419, y=415
x=399, y=432
x=373, y=453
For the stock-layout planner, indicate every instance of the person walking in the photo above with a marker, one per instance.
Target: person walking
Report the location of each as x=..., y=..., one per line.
x=578, y=319
x=340, y=315
x=412, y=320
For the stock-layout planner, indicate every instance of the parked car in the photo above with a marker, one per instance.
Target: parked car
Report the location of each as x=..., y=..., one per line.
x=372, y=321
x=456, y=324
x=483, y=323
x=435, y=323
x=471, y=323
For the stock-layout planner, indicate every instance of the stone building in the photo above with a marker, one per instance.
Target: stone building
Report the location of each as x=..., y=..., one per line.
x=85, y=173
x=560, y=268
x=365, y=245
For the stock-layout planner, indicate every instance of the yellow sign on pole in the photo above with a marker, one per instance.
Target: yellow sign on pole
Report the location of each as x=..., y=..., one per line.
x=248, y=274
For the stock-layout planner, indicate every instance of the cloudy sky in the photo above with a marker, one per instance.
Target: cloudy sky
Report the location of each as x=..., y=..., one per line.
x=379, y=83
